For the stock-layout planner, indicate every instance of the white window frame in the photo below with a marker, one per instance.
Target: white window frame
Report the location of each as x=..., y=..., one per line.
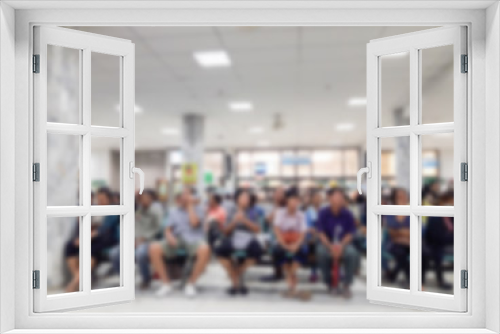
x=484, y=144
x=86, y=44
x=414, y=43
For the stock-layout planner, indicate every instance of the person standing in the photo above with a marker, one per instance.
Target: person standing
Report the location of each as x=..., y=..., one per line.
x=336, y=229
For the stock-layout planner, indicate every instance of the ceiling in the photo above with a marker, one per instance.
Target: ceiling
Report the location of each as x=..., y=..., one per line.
x=304, y=74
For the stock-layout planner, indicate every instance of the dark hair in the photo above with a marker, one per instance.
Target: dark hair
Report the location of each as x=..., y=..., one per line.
x=151, y=193
x=394, y=194
x=291, y=193
x=241, y=191
x=332, y=191
x=105, y=191
x=447, y=196
x=217, y=198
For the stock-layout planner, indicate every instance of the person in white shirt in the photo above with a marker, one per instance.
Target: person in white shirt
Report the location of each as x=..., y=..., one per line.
x=290, y=228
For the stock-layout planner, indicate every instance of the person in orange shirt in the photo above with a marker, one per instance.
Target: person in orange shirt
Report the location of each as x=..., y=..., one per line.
x=215, y=219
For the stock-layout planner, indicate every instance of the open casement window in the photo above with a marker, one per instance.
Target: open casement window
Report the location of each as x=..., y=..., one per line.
x=71, y=233
x=406, y=74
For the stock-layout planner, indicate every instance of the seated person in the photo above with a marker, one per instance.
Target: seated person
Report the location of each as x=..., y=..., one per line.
x=399, y=235
x=240, y=231
x=311, y=213
x=290, y=229
x=184, y=232
x=336, y=229
x=103, y=238
x=148, y=218
x=215, y=219
x=438, y=236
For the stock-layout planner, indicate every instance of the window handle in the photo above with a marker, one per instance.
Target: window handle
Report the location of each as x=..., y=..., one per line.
x=368, y=171
x=134, y=170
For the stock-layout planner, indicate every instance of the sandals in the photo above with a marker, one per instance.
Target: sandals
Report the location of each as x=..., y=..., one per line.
x=300, y=295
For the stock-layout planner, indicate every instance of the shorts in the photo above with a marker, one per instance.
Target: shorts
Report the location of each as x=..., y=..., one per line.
x=283, y=256
x=225, y=249
x=182, y=249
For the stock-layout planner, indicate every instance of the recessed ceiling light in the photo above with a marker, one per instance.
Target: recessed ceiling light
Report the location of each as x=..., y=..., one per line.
x=170, y=131
x=345, y=126
x=256, y=129
x=240, y=106
x=263, y=143
x=212, y=58
x=357, y=101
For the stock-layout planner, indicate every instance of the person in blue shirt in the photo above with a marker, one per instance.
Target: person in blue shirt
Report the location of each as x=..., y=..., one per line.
x=399, y=237
x=312, y=236
x=336, y=229
x=103, y=238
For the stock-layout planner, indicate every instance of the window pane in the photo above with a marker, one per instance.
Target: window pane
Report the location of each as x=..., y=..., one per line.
x=398, y=168
x=437, y=254
x=105, y=251
x=395, y=252
x=327, y=163
x=106, y=106
x=105, y=170
x=288, y=164
x=351, y=162
x=213, y=162
x=437, y=169
x=395, y=89
x=267, y=163
x=304, y=165
x=63, y=85
x=63, y=254
x=63, y=170
x=437, y=84
x=245, y=164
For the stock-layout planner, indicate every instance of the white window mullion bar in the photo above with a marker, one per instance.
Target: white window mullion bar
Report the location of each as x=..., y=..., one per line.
x=102, y=131
x=433, y=211
x=85, y=246
x=67, y=129
x=108, y=210
x=429, y=129
x=127, y=184
x=392, y=210
x=394, y=131
x=414, y=171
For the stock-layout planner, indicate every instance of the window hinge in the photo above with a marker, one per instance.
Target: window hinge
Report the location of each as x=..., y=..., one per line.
x=464, y=279
x=464, y=171
x=36, y=172
x=465, y=64
x=36, y=279
x=36, y=63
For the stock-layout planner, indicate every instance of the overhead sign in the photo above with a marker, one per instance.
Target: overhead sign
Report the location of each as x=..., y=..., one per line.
x=295, y=160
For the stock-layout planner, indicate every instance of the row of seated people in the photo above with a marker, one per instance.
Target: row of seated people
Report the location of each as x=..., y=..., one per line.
x=230, y=230
x=232, y=238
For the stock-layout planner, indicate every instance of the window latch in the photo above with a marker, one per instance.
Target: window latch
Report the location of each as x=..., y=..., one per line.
x=368, y=171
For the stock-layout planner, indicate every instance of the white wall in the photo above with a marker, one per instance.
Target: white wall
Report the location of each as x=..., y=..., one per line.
x=7, y=168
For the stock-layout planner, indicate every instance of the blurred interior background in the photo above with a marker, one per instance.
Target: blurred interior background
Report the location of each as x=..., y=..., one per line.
x=255, y=107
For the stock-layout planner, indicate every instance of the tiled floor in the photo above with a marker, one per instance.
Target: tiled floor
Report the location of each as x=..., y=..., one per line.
x=263, y=297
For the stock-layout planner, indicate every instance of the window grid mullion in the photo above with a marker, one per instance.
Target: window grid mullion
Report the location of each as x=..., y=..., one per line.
x=414, y=169
x=85, y=245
